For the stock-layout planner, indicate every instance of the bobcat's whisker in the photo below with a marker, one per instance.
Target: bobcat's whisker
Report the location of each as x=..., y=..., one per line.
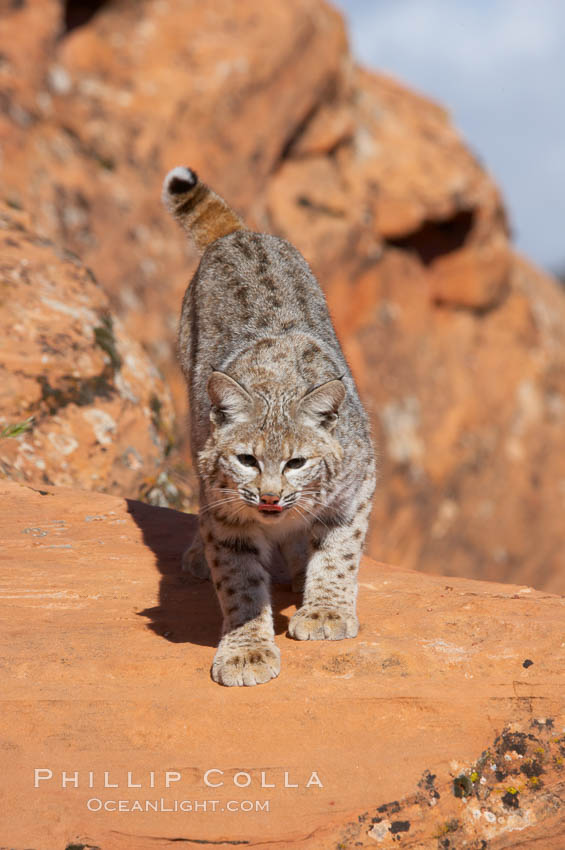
x=217, y=504
x=222, y=501
x=316, y=493
x=237, y=512
x=217, y=489
x=314, y=500
x=225, y=498
x=313, y=496
x=300, y=514
x=312, y=514
x=252, y=498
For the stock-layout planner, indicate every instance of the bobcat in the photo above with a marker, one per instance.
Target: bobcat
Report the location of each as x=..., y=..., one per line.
x=279, y=436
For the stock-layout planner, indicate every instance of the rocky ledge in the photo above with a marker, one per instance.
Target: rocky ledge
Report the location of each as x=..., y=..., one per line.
x=440, y=726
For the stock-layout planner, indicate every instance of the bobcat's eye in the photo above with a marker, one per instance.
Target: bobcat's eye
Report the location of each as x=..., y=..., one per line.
x=295, y=463
x=248, y=460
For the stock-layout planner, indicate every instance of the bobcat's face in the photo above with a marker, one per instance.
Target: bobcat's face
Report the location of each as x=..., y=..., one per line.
x=272, y=482
x=267, y=461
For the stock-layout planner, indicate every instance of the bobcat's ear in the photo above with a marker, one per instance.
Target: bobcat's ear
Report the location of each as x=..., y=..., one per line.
x=230, y=401
x=321, y=405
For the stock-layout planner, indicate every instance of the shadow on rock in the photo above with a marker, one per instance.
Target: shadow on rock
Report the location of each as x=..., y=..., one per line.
x=187, y=612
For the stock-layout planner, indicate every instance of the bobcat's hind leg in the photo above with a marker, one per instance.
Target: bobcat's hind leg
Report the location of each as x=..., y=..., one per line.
x=194, y=560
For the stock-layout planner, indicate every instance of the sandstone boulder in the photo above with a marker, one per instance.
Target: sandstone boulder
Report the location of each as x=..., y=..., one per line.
x=469, y=414
x=441, y=726
x=80, y=403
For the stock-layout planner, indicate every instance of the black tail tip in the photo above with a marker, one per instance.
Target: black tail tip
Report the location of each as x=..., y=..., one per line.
x=179, y=181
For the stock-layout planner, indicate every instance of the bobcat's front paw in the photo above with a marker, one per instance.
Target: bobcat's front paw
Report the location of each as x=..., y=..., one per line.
x=249, y=665
x=194, y=562
x=317, y=623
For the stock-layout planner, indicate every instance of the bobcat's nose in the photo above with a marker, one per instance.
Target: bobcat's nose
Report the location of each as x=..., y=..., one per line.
x=270, y=505
x=269, y=499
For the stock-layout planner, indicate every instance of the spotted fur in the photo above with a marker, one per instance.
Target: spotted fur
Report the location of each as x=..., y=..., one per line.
x=279, y=436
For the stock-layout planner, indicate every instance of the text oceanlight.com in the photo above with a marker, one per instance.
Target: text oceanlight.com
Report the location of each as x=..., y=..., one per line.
x=95, y=804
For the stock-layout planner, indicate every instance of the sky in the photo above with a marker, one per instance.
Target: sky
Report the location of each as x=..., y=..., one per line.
x=499, y=68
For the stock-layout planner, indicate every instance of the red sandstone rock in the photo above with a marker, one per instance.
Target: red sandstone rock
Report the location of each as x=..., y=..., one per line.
x=453, y=687
x=80, y=403
x=404, y=178
x=469, y=413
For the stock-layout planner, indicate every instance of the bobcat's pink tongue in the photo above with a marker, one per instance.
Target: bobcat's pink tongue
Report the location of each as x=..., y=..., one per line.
x=270, y=508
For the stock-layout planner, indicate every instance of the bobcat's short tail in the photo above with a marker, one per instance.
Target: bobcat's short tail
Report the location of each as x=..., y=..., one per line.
x=201, y=212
